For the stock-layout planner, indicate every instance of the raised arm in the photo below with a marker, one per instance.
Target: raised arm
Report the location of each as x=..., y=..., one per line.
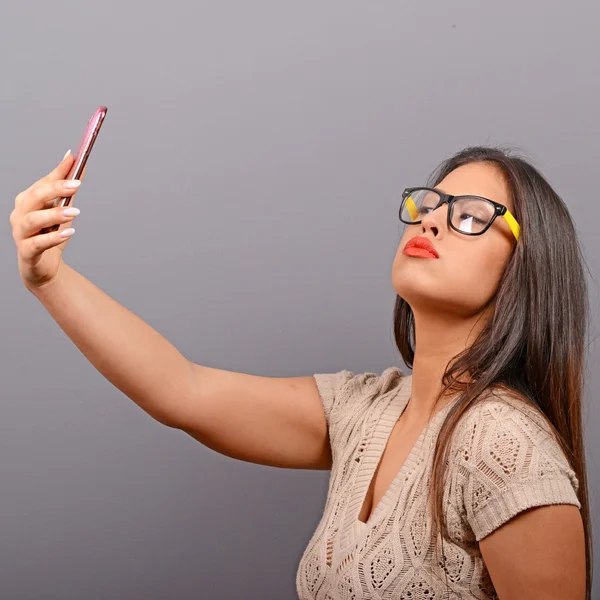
x=267, y=420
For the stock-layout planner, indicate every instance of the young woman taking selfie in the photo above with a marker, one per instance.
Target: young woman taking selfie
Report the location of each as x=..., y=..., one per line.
x=464, y=479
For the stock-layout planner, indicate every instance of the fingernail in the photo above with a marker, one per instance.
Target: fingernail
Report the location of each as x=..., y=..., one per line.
x=72, y=183
x=66, y=154
x=71, y=212
x=67, y=232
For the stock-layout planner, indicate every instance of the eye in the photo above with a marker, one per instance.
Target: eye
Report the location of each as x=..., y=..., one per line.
x=465, y=215
x=423, y=210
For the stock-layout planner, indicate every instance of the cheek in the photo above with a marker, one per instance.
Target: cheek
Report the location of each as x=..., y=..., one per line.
x=477, y=275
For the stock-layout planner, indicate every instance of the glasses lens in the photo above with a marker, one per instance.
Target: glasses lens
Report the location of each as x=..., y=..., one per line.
x=472, y=215
x=469, y=215
x=417, y=204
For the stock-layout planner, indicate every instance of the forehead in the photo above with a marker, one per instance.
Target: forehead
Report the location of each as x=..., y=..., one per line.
x=478, y=179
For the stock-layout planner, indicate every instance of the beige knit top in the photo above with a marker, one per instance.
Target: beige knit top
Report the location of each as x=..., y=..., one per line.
x=503, y=460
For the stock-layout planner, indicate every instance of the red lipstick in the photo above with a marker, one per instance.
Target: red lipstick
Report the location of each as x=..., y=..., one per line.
x=420, y=246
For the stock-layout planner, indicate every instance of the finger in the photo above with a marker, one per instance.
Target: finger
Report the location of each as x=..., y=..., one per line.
x=31, y=223
x=61, y=170
x=42, y=194
x=50, y=203
x=32, y=247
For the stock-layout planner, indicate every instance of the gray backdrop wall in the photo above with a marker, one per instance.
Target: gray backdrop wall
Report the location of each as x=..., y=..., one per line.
x=242, y=199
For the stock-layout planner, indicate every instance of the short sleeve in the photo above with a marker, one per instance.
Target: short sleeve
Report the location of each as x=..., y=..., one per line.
x=329, y=386
x=347, y=396
x=510, y=461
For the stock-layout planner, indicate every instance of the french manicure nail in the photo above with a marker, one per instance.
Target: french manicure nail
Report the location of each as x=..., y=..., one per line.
x=66, y=154
x=71, y=212
x=72, y=183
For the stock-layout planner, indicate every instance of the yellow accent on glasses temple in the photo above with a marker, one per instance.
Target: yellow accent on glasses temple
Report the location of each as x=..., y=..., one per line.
x=412, y=209
x=512, y=223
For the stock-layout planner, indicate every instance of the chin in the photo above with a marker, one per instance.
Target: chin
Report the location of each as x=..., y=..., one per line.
x=412, y=289
x=416, y=286
x=411, y=271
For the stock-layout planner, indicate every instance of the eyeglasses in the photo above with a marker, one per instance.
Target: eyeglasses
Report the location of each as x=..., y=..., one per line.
x=470, y=215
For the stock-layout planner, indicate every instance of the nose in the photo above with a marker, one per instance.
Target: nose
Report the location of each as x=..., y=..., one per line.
x=436, y=219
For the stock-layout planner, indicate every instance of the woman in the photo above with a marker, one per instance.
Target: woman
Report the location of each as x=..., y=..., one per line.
x=465, y=479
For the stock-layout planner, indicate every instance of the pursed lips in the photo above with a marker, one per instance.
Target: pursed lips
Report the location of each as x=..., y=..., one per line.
x=420, y=246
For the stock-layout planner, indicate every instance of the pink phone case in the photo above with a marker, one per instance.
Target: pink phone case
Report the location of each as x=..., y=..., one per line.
x=82, y=154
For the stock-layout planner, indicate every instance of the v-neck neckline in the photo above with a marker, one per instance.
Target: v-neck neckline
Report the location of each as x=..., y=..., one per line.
x=373, y=453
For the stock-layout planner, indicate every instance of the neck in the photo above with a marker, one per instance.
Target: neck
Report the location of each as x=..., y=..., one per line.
x=439, y=338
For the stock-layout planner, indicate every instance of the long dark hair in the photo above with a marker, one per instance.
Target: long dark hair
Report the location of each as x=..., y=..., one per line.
x=534, y=345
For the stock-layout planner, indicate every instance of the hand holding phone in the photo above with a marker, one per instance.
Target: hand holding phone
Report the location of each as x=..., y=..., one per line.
x=38, y=216
x=82, y=154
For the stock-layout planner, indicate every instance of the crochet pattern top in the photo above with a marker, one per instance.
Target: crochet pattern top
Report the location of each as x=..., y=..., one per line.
x=503, y=459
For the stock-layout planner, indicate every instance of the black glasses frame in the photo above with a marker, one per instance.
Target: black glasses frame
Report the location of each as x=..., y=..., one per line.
x=499, y=210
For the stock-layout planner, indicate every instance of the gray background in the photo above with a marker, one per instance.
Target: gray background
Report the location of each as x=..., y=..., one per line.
x=242, y=198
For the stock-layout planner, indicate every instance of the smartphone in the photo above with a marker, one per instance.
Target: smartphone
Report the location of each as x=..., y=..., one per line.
x=82, y=154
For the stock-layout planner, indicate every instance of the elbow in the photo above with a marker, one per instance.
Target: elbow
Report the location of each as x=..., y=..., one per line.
x=179, y=404
x=167, y=421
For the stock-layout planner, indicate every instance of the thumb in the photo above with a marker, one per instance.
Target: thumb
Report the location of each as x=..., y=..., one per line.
x=61, y=170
